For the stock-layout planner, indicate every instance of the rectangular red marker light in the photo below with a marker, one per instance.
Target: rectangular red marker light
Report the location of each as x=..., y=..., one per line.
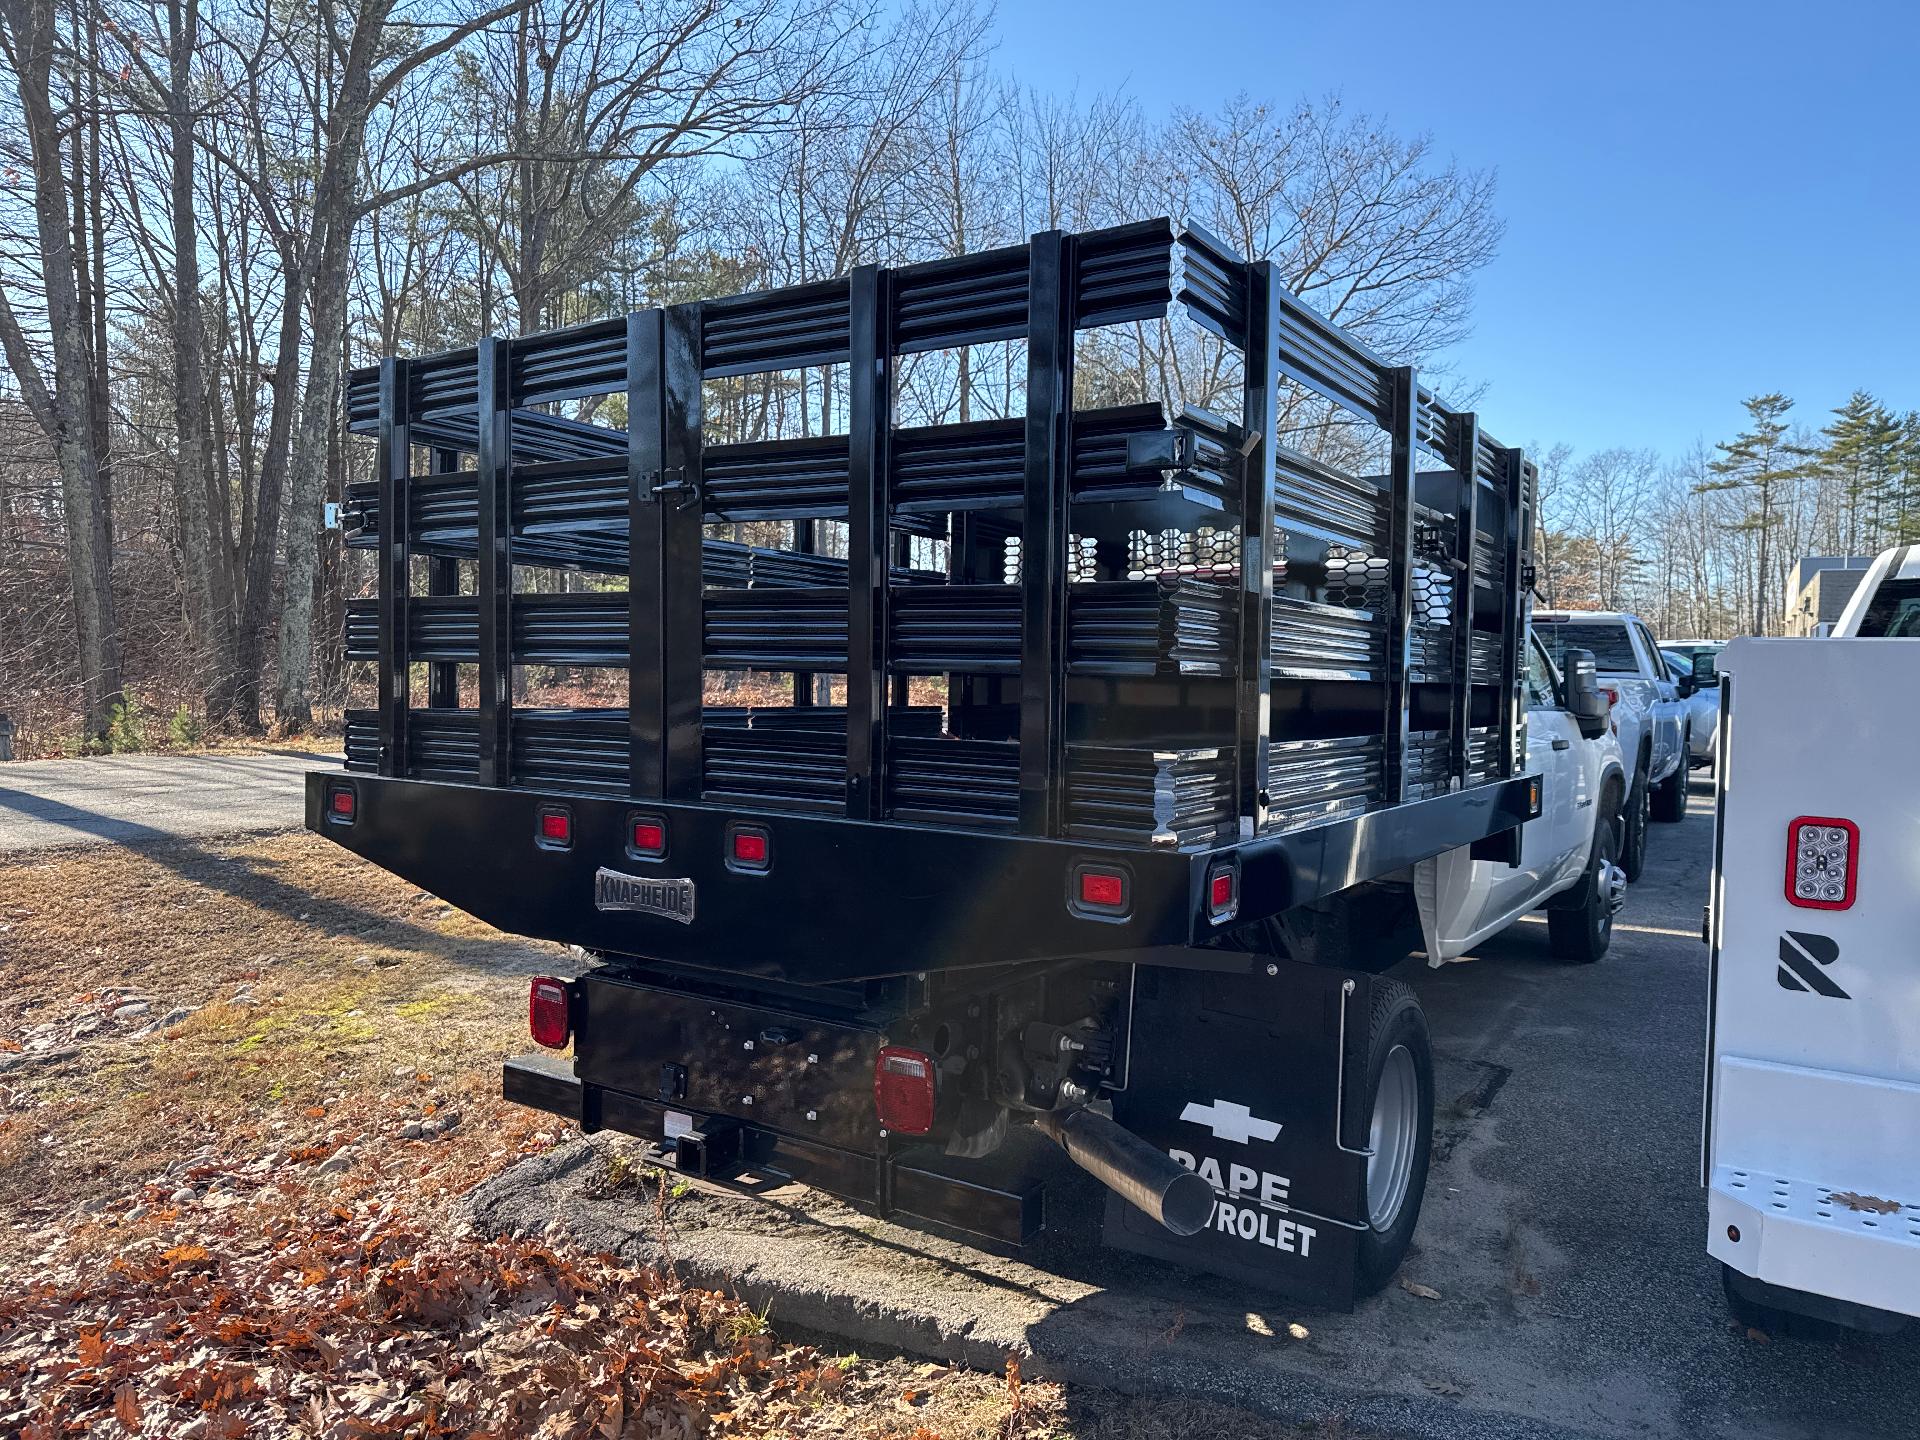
x=1103, y=889
x=649, y=837
x=553, y=828
x=342, y=805
x=748, y=848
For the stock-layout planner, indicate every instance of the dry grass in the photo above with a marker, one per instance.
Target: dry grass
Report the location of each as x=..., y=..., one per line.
x=331, y=1005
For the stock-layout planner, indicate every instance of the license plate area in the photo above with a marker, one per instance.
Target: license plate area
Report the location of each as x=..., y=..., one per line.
x=793, y=1073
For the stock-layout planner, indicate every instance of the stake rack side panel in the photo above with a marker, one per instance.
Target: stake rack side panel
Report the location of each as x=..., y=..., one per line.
x=1154, y=626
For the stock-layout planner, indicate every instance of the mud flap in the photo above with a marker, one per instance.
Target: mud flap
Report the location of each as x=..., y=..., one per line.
x=1258, y=1082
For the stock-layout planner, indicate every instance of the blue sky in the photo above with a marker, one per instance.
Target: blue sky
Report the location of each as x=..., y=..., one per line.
x=1702, y=201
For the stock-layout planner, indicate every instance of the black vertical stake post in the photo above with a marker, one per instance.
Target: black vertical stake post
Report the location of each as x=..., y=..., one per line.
x=396, y=469
x=803, y=697
x=869, y=423
x=963, y=568
x=1400, y=476
x=1045, y=514
x=1466, y=549
x=1517, y=541
x=493, y=580
x=443, y=579
x=901, y=689
x=1260, y=416
x=646, y=636
x=682, y=600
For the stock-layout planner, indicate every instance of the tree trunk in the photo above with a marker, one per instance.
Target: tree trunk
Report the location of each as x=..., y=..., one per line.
x=66, y=408
x=263, y=542
x=307, y=466
x=209, y=629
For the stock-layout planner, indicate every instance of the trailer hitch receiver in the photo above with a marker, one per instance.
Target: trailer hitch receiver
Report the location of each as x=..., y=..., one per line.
x=1146, y=1178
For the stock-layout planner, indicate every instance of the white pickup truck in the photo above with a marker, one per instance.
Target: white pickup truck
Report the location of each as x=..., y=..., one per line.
x=1569, y=860
x=1811, y=1136
x=1649, y=713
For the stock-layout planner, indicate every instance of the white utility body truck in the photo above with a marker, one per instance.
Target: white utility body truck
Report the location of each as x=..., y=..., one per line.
x=1811, y=1152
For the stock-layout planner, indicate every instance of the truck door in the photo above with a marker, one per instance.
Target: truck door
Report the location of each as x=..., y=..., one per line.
x=1553, y=749
x=1664, y=695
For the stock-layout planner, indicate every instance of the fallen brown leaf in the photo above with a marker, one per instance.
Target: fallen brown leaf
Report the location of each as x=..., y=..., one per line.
x=126, y=1409
x=1414, y=1287
x=1872, y=1204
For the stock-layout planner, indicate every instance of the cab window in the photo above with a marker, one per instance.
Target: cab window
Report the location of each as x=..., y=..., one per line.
x=1894, y=611
x=1609, y=641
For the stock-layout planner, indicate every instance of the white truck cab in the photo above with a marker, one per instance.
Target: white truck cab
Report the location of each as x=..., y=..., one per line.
x=1887, y=604
x=1569, y=860
x=1649, y=711
x=1811, y=1135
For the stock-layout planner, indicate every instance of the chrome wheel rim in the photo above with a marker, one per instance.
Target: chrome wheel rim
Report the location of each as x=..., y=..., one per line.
x=1396, y=1117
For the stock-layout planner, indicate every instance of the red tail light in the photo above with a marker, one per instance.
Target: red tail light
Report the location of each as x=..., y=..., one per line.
x=550, y=1012
x=903, y=1090
x=1823, y=857
x=341, y=805
x=1613, y=695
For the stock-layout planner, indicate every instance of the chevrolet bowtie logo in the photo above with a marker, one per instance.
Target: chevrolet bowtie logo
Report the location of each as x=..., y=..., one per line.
x=1229, y=1121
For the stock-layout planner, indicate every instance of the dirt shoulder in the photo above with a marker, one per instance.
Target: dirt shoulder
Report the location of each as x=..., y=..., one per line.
x=245, y=1086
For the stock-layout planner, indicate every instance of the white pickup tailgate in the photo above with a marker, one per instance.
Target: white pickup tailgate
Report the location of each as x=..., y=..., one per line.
x=1813, y=1080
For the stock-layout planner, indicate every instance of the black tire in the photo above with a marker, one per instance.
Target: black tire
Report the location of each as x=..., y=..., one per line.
x=1633, y=829
x=1397, y=1023
x=1770, y=1319
x=1581, y=935
x=1670, y=795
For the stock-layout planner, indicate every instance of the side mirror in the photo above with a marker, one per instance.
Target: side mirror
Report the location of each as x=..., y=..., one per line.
x=1685, y=686
x=1586, y=701
x=1706, y=671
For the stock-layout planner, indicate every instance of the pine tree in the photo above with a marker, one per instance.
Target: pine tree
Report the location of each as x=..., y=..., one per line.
x=1758, y=460
x=1849, y=460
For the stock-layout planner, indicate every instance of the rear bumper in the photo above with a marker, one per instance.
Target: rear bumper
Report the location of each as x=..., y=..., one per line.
x=919, y=1184
x=1795, y=1236
x=843, y=900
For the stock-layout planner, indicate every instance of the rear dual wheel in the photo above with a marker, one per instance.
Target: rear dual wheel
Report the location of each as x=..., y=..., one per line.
x=1400, y=1134
x=1670, y=795
x=1580, y=935
x=1633, y=828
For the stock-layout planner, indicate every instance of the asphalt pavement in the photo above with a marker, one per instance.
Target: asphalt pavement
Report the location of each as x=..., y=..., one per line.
x=1563, y=1285
x=136, y=799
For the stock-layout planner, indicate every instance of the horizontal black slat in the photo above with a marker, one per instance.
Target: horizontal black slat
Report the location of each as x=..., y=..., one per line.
x=775, y=329
x=1159, y=797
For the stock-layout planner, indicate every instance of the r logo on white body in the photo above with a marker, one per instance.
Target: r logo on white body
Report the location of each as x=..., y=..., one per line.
x=1231, y=1121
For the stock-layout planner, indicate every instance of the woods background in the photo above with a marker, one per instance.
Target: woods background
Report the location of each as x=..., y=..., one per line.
x=209, y=210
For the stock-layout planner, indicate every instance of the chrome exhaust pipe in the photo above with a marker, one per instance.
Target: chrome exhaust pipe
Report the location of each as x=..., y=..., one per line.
x=1147, y=1179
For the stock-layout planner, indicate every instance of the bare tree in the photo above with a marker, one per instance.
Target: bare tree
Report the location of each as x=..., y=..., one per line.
x=67, y=411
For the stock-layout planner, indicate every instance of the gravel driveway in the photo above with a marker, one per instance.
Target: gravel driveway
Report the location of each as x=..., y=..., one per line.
x=130, y=799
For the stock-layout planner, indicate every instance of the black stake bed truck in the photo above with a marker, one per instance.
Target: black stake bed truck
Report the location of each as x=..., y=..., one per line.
x=1132, y=721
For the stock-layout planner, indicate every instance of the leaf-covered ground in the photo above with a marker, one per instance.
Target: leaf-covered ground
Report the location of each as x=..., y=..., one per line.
x=244, y=1087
